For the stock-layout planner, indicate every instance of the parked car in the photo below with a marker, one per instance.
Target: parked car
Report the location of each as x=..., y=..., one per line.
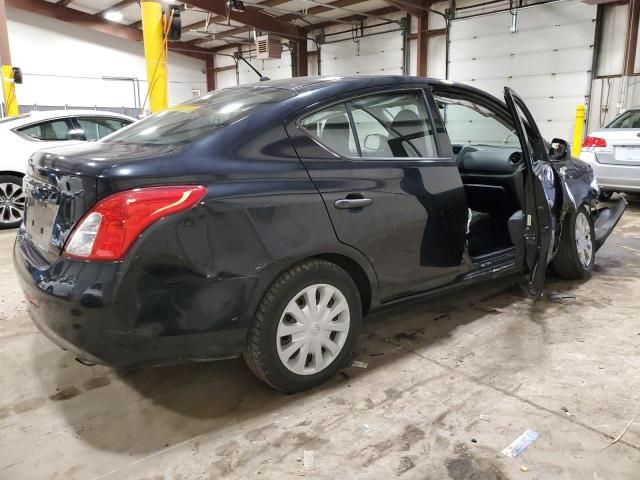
x=268, y=219
x=614, y=154
x=21, y=136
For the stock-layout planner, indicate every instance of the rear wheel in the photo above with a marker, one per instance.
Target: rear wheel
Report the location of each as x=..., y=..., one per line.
x=305, y=328
x=12, y=201
x=576, y=254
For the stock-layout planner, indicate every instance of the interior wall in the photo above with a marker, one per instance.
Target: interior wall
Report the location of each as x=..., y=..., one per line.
x=64, y=64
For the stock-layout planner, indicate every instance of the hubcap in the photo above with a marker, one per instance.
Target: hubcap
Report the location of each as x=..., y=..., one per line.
x=313, y=329
x=12, y=203
x=584, y=243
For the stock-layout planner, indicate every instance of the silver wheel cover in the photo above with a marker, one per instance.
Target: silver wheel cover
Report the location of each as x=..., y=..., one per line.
x=584, y=242
x=313, y=329
x=12, y=203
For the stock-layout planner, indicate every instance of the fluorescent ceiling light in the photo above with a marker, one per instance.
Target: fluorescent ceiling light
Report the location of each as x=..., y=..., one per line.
x=113, y=16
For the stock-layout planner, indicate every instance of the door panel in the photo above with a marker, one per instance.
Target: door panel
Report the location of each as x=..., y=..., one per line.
x=540, y=195
x=408, y=215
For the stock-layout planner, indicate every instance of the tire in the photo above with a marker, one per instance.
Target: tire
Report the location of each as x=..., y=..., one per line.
x=12, y=201
x=572, y=261
x=268, y=344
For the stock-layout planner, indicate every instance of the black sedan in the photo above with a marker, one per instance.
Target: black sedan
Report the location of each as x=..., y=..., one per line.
x=266, y=220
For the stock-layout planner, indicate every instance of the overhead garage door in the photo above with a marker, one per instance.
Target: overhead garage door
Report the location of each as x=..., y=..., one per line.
x=373, y=55
x=547, y=60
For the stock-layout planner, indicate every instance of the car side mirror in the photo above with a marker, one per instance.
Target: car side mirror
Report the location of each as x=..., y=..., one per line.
x=559, y=150
x=373, y=141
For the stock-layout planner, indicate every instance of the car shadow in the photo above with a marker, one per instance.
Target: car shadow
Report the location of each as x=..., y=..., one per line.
x=141, y=411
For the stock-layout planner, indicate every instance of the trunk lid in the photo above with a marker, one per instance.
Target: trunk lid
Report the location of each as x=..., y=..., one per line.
x=623, y=146
x=62, y=184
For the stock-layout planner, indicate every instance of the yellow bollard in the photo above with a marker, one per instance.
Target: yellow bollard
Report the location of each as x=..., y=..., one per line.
x=9, y=88
x=578, y=129
x=155, y=54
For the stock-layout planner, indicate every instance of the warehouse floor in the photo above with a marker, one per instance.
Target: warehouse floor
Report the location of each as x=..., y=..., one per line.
x=448, y=385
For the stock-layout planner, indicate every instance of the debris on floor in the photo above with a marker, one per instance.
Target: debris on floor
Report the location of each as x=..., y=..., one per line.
x=633, y=419
x=308, y=461
x=521, y=443
x=484, y=418
x=561, y=297
x=524, y=468
x=359, y=364
x=405, y=465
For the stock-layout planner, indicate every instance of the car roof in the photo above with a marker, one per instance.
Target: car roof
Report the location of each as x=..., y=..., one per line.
x=41, y=115
x=355, y=81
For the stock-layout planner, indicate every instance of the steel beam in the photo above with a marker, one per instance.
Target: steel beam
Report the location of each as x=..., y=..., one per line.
x=632, y=38
x=423, y=44
x=252, y=17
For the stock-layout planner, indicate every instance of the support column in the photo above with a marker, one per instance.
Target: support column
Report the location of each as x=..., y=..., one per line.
x=423, y=44
x=8, y=85
x=302, y=59
x=211, y=73
x=632, y=37
x=155, y=54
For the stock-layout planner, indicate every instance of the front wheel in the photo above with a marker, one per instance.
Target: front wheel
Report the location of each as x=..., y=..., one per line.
x=305, y=327
x=576, y=253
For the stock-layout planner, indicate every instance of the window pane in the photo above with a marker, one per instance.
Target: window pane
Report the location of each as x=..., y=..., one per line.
x=469, y=123
x=195, y=118
x=630, y=119
x=393, y=125
x=331, y=126
x=51, y=130
x=97, y=127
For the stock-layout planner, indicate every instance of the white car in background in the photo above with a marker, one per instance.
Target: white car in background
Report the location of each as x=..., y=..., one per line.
x=614, y=153
x=26, y=134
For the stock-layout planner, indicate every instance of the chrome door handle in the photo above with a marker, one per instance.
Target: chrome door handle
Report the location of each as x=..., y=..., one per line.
x=347, y=203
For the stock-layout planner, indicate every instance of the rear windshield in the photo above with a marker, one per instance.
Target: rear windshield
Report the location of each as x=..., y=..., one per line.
x=630, y=119
x=197, y=117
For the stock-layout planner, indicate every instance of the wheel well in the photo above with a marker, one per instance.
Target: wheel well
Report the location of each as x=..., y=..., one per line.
x=356, y=272
x=9, y=172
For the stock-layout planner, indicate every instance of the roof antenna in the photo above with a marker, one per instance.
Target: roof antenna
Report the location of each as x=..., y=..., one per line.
x=264, y=78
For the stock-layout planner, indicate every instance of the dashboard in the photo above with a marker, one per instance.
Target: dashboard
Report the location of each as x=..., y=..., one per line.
x=488, y=159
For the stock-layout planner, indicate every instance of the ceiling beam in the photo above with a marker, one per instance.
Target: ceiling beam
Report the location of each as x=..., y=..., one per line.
x=87, y=20
x=252, y=17
x=352, y=18
x=118, y=6
x=287, y=17
x=410, y=6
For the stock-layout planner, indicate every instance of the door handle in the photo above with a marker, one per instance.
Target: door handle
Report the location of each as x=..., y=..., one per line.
x=347, y=203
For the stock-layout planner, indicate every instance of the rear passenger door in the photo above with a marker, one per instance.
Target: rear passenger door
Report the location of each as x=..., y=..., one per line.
x=95, y=128
x=389, y=190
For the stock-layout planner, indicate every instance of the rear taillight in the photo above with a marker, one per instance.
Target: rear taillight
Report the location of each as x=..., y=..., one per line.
x=109, y=229
x=591, y=142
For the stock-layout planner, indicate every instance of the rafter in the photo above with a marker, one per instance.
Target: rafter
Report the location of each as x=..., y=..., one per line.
x=76, y=17
x=287, y=17
x=118, y=6
x=252, y=17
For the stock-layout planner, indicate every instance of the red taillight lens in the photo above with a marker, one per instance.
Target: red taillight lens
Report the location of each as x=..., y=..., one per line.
x=109, y=229
x=590, y=142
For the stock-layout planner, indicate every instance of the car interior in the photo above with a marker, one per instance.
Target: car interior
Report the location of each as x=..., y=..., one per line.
x=489, y=159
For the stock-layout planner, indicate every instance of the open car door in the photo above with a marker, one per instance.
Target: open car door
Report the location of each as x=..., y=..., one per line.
x=539, y=196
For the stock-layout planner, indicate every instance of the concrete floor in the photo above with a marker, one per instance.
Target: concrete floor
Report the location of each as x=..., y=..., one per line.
x=449, y=384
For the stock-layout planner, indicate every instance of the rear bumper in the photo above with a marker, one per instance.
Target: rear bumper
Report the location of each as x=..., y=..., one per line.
x=108, y=318
x=620, y=178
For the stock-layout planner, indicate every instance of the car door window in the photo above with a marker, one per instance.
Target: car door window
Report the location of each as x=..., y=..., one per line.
x=393, y=125
x=332, y=128
x=51, y=130
x=96, y=128
x=630, y=119
x=468, y=123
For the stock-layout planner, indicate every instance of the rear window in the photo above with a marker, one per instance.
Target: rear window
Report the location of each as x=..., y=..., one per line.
x=630, y=119
x=197, y=117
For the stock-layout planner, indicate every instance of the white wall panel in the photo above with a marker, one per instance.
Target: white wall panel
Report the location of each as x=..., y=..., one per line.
x=63, y=64
x=226, y=78
x=611, y=49
x=547, y=60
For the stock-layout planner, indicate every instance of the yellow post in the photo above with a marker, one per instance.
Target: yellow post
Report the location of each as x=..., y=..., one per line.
x=155, y=54
x=9, y=89
x=578, y=129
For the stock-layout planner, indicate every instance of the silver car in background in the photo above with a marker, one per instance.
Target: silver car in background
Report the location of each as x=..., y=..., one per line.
x=614, y=153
